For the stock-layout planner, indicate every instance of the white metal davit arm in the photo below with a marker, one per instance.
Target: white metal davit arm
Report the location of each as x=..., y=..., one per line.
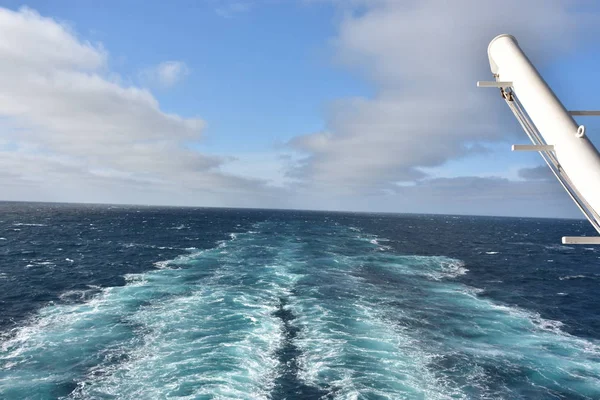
x=561, y=142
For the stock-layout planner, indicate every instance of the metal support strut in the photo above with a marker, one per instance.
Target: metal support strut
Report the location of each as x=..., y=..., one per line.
x=548, y=153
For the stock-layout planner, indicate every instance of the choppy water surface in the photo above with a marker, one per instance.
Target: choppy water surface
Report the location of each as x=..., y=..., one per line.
x=109, y=302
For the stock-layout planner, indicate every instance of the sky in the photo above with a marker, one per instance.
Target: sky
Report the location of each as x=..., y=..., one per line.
x=349, y=105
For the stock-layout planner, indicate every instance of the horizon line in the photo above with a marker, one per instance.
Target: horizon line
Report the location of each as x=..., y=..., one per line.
x=285, y=209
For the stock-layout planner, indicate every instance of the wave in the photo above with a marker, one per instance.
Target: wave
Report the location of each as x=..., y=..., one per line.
x=264, y=311
x=144, y=338
x=516, y=342
x=399, y=337
x=151, y=246
x=77, y=296
x=352, y=351
x=25, y=224
x=570, y=277
x=558, y=247
x=435, y=268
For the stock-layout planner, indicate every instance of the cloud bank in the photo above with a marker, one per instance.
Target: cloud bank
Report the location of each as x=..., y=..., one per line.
x=423, y=58
x=71, y=131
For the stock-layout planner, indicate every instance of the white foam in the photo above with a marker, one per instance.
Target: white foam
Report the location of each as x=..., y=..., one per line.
x=24, y=224
x=434, y=268
x=520, y=328
x=558, y=247
x=170, y=335
x=453, y=269
x=165, y=334
x=37, y=263
x=149, y=246
x=231, y=354
x=569, y=277
x=339, y=338
x=162, y=264
x=77, y=295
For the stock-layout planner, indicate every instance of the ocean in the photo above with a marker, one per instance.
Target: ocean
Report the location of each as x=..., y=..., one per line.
x=126, y=302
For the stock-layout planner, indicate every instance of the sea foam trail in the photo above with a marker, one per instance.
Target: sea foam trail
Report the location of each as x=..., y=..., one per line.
x=294, y=308
x=349, y=347
x=203, y=328
x=379, y=325
x=521, y=345
x=217, y=341
x=488, y=350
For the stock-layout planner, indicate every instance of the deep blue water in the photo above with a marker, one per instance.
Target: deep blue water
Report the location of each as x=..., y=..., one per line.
x=103, y=302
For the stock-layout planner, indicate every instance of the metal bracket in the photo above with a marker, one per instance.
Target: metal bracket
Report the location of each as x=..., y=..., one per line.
x=494, y=84
x=532, y=147
x=581, y=240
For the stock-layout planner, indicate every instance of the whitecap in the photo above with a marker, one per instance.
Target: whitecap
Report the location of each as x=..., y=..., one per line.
x=77, y=295
x=569, y=277
x=162, y=264
x=24, y=224
x=338, y=339
x=452, y=269
x=558, y=247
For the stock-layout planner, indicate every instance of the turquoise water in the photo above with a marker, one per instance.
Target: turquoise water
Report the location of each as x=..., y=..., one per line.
x=295, y=306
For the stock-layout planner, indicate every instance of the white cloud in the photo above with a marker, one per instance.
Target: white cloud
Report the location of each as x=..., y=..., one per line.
x=423, y=58
x=461, y=195
x=29, y=40
x=165, y=74
x=70, y=132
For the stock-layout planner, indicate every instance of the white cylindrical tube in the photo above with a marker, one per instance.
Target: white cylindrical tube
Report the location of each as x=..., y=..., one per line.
x=576, y=155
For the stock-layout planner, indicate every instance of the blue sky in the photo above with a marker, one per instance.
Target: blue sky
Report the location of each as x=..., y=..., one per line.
x=265, y=72
x=295, y=104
